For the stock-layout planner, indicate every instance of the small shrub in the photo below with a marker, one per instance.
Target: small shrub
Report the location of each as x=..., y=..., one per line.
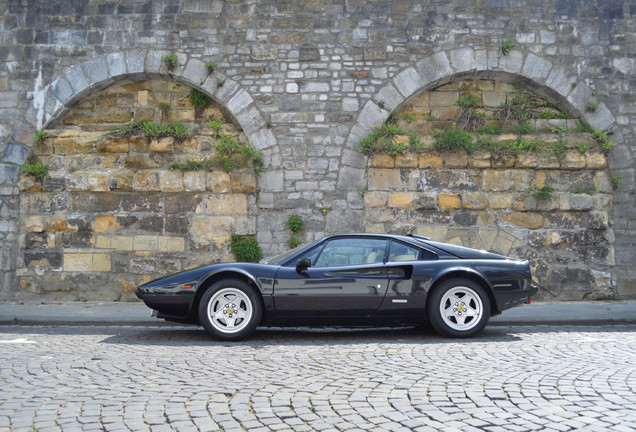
x=381, y=140
x=153, y=130
x=453, y=139
x=163, y=111
x=506, y=46
x=494, y=129
x=40, y=136
x=232, y=154
x=268, y=124
x=210, y=66
x=603, y=139
x=245, y=248
x=215, y=126
x=199, y=101
x=523, y=128
x=220, y=82
x=36, y=170
x=582, y=147
x=469, y=100
x=296, y=225
x=616, y=181
x=171, y=61
x=592, y=105
x=583, y=190
x=543, y=193
x=380, y=103
x=407, y=116
x=559, y=148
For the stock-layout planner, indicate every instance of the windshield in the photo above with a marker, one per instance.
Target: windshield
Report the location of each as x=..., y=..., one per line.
x=281, y=257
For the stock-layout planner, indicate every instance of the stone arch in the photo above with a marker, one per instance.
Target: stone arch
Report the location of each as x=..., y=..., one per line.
x=540, y=75
x=52, y=102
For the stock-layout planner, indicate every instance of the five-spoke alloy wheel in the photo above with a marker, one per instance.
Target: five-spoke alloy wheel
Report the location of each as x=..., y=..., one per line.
x=459, y=308
x=230, y=310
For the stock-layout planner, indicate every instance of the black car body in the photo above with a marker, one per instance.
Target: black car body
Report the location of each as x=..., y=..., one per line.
x=347, y=280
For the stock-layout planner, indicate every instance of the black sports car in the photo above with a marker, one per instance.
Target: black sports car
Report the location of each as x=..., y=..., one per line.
x=347, y=280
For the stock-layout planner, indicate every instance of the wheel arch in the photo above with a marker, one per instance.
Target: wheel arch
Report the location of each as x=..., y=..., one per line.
x=465, y=273
x=213, y=278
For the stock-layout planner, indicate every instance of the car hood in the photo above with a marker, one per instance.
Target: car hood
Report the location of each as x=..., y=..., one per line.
x=466, y=253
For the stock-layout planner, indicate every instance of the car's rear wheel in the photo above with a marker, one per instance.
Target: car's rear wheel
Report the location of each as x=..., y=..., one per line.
x=459, y=308
x=230, y=310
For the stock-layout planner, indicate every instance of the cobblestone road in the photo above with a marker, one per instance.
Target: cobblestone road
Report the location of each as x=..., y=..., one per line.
x=169, y=378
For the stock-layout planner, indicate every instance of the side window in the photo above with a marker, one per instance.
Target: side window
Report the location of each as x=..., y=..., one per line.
x=402, y=252
x=351, y=251
x=312, y=254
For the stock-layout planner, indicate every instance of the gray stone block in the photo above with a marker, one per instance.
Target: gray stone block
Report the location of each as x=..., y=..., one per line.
x=560, y=81
x=620, y=156
x=154, y=64
x=239, y=101
x=601, y=118
x=15, y=153
x=9, y=173
x=351, y=179
x=250, y=120
x=580, y=96
x=536, y=67
x=353, y=158
x=481, y=60
x=135, y=61
x=512, y=62
x=195, y=72
x=96, y=70
x=77, y=79
x=390, y=96
x=463, y=59
x=223, y=93
x=61, y=90
x=116, y=63
x=262, y=139
x=434, y=67
x=271, y=181
x=408, y=82
x=372, y=115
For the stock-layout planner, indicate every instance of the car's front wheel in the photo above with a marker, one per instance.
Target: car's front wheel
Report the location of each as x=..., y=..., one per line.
x=230, y=310
x=459, y=308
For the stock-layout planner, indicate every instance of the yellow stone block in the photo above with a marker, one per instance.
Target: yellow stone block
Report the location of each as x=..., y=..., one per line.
x=147, y=181
x=221, y=241
x=448, y=201
x=475, y=200
x=243, y=181
x=145, y=243
x=223, y=226
x=499, y=201
x=573, y=159
x=595, y=160
x=456, y=159
x=162, y=145
x=431, y=160
x=375, y=199
x=525, y=219
x=121, y=243
x=219, y=182
x=171, y=181
x=98, y=182
x=105, y=222
x=382, y=160
x=479, y=159
x=194, y=181
x=102, y=242
x=77, y=261
x=385, y=179
x=171, y=244
x=113, y=145
x=34, y=224
x=59, y=224
x=227, y=204
x=101, y=262
x=401, y=200
x=407, y=160
x=64, y=146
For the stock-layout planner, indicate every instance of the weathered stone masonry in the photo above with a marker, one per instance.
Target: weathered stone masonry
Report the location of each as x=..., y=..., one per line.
x=316, y=72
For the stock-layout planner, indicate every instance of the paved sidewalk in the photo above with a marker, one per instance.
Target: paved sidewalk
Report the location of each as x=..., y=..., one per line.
x=137, y=314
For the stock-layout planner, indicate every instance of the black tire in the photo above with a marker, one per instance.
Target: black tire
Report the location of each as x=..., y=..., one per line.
x=459, y=308
x=230, y=310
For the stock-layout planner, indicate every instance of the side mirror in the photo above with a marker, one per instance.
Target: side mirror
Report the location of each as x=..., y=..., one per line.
x=303, y=264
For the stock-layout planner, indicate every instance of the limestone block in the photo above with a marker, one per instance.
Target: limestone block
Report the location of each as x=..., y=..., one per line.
x=581, y=202
x=385, y=179
x=121, y=180
x=114, y=145
x=171, y=181
x=602, y=182
x=536, y=67
x=243, y=181
x=98, y=181
x=227, y=204
x=525, y=219
x=407, y=160
x=223, y=226
x=74, y=261
x=33, y=224
x=375, y=199
x=105, y=222
x=479, y=159
x=122, y=243
x=431, y=160
x=456, y=159
x=162, y=145
x=447, y=201
x=573, y=159
x=401, y=200
x=102, y=242
x=171, y=244
x=218, y=182
x=101, y=262
x=595, y=160
x=425, y=201
x=475, y=201
x=145, y=243
x=408, y=82
x=504, y=160
x=382, y=160
x=194, y=181
x=146, y=181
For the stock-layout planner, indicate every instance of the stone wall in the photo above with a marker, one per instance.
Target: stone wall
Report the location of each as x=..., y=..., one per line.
x=112, y=214
x=316, y=72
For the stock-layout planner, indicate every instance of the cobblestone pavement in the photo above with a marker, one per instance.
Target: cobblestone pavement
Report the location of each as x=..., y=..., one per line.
x=176, y=378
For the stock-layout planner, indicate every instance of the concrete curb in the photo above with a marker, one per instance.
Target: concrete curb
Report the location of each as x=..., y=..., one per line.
x=137, y=314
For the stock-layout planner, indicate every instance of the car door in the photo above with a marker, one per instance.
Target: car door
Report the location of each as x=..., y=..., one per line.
x=347, y=278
